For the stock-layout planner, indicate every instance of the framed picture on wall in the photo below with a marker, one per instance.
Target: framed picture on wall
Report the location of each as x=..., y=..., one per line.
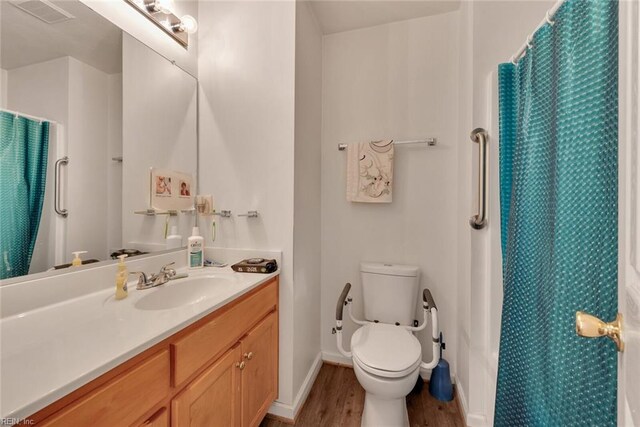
x=170, y=190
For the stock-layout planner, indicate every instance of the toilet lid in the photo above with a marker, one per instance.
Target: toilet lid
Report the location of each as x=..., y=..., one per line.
x=386, y=347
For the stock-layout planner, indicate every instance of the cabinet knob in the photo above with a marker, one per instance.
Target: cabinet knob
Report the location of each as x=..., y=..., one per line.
x=240, y=365
x=249, y=355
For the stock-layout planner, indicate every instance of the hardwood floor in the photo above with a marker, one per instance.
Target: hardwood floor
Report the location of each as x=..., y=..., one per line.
x=337, y=399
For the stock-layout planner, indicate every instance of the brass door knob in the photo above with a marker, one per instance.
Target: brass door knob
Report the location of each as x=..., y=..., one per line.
x=240, y=365
x=591, y=327
x=248, y=356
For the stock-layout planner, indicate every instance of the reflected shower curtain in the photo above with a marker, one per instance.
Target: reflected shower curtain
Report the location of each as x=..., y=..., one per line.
x=24, y=145
x=559, y=207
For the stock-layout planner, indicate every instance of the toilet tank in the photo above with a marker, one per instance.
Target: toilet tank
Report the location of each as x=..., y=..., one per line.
x=390, y=292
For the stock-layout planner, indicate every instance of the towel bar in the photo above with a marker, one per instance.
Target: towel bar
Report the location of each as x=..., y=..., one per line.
x=429, y=141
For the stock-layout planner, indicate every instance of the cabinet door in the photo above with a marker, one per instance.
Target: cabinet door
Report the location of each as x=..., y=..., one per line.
x=159, y=419
x=213, y=398
x=260, y=373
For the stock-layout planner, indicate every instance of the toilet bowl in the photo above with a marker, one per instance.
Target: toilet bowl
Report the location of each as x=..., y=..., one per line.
x=386, y=361
x=386, y=356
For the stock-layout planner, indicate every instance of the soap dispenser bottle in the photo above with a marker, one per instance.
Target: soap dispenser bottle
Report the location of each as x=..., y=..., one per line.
x=195, y=247
x=77, y=261
x=121, y=278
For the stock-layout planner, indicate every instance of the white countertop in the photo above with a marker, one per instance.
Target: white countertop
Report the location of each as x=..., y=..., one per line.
x=48, y=352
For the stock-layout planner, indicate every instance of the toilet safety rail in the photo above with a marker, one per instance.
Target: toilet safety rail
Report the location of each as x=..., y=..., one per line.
x=428, y=308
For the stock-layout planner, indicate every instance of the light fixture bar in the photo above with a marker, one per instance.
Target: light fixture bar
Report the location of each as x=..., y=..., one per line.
x=167, y=22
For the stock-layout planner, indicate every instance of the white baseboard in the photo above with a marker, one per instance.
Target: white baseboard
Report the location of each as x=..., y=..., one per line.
x=336, y=358
x=463, y=402
x=470, y=419
x=290, y=412
x=476, y=420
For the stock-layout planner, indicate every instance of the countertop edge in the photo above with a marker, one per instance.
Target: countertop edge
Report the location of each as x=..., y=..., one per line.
x=28, y=410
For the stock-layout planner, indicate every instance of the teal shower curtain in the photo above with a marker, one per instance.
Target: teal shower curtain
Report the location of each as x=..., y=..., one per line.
x=24, y=146
x=559, y=207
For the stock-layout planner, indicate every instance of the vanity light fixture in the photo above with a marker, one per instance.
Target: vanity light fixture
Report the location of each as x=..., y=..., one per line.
x=160, y=12
x=156, y=6
x=188, y=24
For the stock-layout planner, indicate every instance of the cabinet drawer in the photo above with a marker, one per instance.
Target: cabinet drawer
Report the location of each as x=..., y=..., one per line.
x=121, y=401
x=194, y=350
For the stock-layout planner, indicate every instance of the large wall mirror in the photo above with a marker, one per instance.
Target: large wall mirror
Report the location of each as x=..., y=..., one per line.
x=86, y=112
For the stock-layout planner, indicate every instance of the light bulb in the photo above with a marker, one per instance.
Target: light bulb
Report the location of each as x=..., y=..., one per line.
x=188, y=24
x=164, y=6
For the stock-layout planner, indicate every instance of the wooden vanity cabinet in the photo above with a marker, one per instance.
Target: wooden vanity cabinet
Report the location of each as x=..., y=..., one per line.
x=259, y=379
x=238, y=388
x=212, y=399
x=159, y=419
x=220, y=371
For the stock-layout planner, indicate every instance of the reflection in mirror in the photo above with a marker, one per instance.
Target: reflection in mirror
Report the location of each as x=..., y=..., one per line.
x=75, y=87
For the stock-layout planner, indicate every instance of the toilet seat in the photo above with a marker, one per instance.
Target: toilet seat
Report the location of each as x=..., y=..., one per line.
x=386, y=350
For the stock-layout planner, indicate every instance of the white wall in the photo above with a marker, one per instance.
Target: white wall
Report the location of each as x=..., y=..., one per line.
x=3, y=88
x=306, y=239
x=246, y=74
x=87, y=170
x=114, y=169
x=158, y=130
x=395, y=81
x=74, y=96
x=43, y=90
x=490, y=32
x=133, y=22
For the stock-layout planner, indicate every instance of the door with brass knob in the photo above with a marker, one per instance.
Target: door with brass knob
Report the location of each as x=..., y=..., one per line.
x=589, y=326
x=629, y=215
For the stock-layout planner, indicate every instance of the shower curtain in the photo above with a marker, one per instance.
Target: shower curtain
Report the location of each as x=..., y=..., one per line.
x=24, y=147
x=558, y=195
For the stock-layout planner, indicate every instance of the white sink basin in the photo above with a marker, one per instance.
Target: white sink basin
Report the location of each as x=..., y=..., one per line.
x=183, y=292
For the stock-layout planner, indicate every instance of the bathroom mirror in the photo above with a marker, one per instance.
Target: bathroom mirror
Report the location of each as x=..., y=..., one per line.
x=87, y=110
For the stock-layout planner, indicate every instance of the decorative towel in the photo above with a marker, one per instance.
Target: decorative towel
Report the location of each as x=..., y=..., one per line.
x=370, y=171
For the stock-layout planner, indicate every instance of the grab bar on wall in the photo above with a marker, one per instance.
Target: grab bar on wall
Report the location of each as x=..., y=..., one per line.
x=56, y=203
x=479, y=220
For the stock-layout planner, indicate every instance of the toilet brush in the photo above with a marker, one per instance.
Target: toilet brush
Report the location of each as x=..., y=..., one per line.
x=440, y=385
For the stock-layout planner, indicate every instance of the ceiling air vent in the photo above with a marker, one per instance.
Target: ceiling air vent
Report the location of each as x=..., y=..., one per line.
x=43, y=10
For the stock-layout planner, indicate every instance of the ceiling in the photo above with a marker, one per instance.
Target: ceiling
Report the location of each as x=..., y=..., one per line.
x=336, y=16
x=88, y=37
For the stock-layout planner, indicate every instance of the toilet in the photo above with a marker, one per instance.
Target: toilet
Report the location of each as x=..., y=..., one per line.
x=386, y=355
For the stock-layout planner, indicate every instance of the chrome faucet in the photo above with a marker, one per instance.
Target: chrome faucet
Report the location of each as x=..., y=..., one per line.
x=156, y=279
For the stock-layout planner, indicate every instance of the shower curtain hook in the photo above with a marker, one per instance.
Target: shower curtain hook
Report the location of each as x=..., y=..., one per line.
x=548, y=19
x=513, y=60
x=529, y=40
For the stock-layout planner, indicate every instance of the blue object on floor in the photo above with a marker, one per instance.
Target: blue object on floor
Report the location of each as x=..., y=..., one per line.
x=440, y=383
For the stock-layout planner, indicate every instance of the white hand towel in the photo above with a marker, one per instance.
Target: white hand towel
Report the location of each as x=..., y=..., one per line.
x=370, y=172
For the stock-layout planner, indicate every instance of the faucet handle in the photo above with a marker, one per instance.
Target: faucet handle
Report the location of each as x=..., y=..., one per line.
x=166, y=269
x=142, y=277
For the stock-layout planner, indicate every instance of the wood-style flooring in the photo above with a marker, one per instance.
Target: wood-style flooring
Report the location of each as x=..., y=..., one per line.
x=336, y=399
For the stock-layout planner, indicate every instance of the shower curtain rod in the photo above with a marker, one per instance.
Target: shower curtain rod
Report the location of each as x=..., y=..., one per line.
x=527, y=44
x=27, y=116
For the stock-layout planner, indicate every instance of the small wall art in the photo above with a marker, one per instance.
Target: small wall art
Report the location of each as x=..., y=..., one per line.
x=170, y=190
